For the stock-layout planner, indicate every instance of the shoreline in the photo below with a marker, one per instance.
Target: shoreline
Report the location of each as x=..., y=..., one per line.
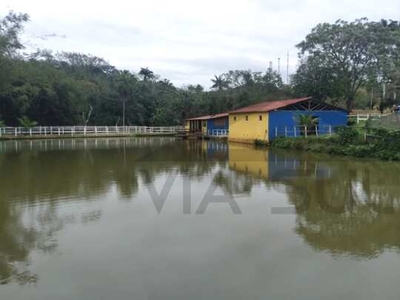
x=334, y=146
x=80, y=136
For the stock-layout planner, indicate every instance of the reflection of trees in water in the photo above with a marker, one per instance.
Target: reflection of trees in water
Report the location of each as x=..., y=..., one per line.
x=234, y=183
x=41, y=179
x=15, y=244
x=37, y=232
x=355, y=212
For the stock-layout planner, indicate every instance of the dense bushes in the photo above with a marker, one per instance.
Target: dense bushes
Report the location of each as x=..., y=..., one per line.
x=347, y=135
x=385, y=144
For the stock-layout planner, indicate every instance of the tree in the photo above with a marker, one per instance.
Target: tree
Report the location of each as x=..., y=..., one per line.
x=125, y=86
x=352, y=52
x=219, y=83
x=308, y=122
x=315, y=78
x=147, y=74
x=2, y=124
x=26, y=122
x=10, y=28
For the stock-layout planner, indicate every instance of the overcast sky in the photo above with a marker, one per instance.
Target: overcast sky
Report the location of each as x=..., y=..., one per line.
x=187, y=41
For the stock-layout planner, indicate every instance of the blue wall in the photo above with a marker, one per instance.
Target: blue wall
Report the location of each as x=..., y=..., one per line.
x=288, y=118
x=211, y=124
x=284, y=166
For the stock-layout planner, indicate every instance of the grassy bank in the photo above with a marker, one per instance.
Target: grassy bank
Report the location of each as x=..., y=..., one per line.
x=378, y=143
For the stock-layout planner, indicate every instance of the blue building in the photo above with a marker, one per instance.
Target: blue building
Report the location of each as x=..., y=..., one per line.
x=209, y=125
x=270, y=119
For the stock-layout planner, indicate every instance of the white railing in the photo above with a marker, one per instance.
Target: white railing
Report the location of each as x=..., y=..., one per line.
x=219, y=132
x=365, y=117
x=86, y=130
x=303, y=131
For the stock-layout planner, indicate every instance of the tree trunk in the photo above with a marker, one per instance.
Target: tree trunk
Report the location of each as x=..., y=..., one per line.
x=123, y=113
x=349, y=103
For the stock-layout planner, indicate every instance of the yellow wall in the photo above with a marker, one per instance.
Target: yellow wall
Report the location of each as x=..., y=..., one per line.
x=248, y=131
x=187, y=125
x=247, y=159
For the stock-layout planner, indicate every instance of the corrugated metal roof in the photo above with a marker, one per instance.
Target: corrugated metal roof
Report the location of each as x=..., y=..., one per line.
x=269, y=105
x=208, y=117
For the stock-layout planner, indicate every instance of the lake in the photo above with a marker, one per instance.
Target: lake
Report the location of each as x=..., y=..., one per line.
x=159, y=218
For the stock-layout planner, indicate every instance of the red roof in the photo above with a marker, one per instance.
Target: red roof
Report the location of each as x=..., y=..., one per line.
x=269, y=105
x=209, y=117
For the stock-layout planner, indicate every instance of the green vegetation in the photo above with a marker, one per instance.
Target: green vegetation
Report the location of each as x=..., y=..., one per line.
x=78, y=89
x=26, y=123
x=378, y=143
x=344, y=60
x=341, y=63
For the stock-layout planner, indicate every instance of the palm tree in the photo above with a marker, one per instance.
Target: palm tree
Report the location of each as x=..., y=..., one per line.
x=125, y=87
x=307, y=121
x=219, y=83
x=147, y=74
x=26, y=122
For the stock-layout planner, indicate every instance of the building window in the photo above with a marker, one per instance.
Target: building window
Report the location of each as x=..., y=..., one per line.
x=247, y=118
x=204, y=124
x=260, y=117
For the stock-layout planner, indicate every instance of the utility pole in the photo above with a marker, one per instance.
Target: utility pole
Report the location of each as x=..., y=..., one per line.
x=287, y=68
x=279, y=66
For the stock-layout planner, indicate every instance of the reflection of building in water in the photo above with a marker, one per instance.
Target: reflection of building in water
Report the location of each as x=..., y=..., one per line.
x=284, y=166
x=269, y=165
x=247, y=159
x=343, y=207
x=216, y=149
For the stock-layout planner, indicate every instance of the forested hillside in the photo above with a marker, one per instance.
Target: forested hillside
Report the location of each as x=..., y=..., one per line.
x=344, y=63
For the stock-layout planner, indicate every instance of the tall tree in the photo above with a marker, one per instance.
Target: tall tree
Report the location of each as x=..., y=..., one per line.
x=351, y=51
x=147, y=74
x=10, y=28
x=219, y=83
x=125, y=86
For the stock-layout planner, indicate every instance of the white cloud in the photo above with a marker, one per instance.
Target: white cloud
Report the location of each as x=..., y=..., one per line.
x=186, y=41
